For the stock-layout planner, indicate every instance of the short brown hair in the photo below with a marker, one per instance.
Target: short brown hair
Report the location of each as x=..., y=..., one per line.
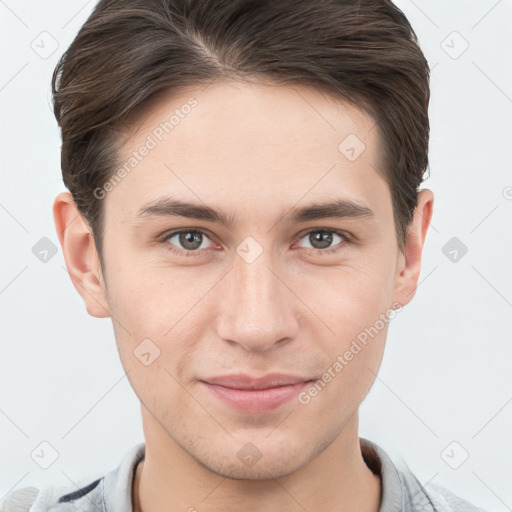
x=128, y=51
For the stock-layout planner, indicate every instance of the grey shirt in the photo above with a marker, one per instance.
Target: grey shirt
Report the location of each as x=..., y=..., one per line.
x=401, y=491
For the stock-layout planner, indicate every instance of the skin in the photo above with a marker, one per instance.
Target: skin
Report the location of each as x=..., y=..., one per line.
x=254, y=151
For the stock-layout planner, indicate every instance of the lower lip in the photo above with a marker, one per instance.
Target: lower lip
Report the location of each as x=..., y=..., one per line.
x=256, y=400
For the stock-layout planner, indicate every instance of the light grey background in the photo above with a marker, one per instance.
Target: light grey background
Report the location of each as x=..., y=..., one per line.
x=444, y=390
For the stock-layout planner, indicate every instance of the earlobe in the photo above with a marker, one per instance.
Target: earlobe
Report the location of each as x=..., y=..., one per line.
x=409, y=263
x=80, y=254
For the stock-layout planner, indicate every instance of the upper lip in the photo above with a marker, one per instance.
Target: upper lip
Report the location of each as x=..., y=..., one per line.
x=242, y=381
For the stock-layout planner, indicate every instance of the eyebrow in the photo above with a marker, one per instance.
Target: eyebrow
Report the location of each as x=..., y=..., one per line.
x=169, y=207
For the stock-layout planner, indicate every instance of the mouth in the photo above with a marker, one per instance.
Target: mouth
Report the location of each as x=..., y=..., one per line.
x=254, y=395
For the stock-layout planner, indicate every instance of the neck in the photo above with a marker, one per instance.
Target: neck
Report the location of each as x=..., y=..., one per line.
x=336, y=480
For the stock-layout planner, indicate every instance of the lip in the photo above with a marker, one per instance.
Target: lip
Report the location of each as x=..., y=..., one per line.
x=255, y=394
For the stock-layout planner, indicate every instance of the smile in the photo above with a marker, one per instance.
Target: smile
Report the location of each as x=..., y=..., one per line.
x=255, y=401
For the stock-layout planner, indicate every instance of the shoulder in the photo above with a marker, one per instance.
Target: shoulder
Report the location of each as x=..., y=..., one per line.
x=20, y=500
x=401, y=489
x=445, y=500
x=432, y=497
x=97, y=494
x=58, y=499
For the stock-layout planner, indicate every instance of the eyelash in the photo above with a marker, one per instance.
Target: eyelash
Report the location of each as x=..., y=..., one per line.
x=164, y=239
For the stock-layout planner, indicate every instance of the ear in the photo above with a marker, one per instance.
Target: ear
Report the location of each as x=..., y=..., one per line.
x=409, y=261
x=80, y=254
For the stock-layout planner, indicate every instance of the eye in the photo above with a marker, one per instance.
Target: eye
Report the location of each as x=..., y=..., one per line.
x=192, y=242
x=187, y=241
x=321, y=240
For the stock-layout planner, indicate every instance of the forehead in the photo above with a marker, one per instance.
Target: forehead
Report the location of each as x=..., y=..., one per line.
x=248, y=144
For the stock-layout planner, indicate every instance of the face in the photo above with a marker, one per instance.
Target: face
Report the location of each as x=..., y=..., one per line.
x=258, y=278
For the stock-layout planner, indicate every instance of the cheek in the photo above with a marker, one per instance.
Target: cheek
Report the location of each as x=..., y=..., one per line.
x=350, y=298
x=354, y=303
x=346, y=380
x=157, y=319
x=151, y=298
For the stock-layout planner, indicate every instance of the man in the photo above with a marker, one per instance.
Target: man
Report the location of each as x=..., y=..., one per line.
x=244, y=204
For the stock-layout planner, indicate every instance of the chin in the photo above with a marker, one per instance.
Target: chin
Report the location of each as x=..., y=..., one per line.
x=254, y=458
x=262, y=470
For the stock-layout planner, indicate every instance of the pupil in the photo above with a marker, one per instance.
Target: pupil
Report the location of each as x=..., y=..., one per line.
x=323, y=237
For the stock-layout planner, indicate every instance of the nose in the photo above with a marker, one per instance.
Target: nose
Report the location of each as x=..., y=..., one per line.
x=257, y=309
